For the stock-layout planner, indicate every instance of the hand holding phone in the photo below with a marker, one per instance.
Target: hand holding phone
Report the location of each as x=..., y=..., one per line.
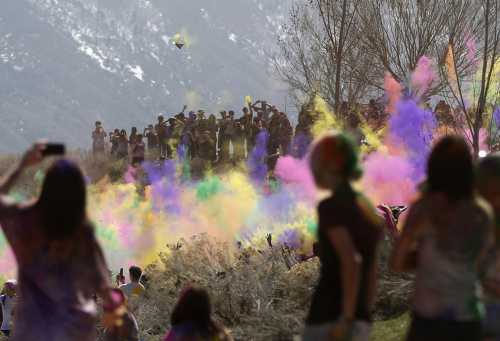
x=51, y=149
x=120, y=278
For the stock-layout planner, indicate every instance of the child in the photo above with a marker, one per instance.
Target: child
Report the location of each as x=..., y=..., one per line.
x=192, y=319
x=488, y=185
x=8, y=302
x=349, y=232
x=134, y=288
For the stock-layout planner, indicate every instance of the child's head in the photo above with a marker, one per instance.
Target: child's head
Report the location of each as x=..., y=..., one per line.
x=193, y=306
x=334, y=160
x=10, y=287
x=488, y=180
x=135, y=273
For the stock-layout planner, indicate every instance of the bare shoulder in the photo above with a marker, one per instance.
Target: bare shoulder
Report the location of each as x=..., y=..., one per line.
x=483, y=208
x=428, y=204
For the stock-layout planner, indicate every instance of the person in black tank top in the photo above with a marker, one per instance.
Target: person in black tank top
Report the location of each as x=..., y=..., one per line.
x=348, y=235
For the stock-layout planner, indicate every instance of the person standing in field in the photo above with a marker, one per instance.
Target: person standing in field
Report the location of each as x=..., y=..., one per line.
x=98, y=139
x=348, y=236
x=447, y=234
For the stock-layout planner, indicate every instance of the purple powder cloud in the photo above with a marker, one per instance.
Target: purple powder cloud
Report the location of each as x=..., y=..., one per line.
x=413, y=127
x=257, y=165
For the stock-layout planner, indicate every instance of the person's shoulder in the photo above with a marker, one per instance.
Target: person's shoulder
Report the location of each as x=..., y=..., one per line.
x=138, y=289
x=331, y=213
x=483, y=208
x=482, y=204
x=13, y=211
x=88, y=230
x=328, y=203
x=429, y=202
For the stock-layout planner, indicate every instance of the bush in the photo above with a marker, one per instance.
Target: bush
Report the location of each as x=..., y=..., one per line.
x=253, y=292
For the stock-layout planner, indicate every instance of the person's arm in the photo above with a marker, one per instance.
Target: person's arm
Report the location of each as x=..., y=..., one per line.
x=350, y=267
x=269, y=239
x=490, y=285
x=30, y=158
x=390, y=222
x=489, y=243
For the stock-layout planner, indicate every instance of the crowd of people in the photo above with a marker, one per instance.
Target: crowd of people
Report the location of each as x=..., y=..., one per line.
x=205, y=137
x=450, y=241
x=233, y=137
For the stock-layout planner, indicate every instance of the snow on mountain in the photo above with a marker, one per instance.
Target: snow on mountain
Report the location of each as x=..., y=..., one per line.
x=66, y=63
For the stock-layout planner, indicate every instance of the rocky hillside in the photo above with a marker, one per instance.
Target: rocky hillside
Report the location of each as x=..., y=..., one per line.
x=66, y=63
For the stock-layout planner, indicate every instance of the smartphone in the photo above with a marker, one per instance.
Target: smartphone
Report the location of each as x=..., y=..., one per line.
x=54, y=149
x=121, y=272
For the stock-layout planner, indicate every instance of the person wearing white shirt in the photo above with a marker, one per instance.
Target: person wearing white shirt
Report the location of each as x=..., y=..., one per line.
x=134, y=288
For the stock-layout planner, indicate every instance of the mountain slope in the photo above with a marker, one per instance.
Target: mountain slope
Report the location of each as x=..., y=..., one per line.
x=64, y=64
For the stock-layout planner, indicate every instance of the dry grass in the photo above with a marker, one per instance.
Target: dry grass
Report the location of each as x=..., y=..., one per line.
x=254, y=294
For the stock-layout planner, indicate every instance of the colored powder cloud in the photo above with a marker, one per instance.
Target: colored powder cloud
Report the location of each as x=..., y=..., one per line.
x=423, y=76
x=256, y=163
x=208, y=188
x=393, y=92
x=135, y=227
x=496, y=116
x=413, y=127
x=324, y=119
x=388, y=179
x=296, y=173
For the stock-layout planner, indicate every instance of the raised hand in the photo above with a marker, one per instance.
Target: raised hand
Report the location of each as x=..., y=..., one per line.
x=33, y=156
x=269, y=239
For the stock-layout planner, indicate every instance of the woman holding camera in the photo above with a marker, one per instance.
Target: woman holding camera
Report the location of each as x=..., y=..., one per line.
x=60, y=263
